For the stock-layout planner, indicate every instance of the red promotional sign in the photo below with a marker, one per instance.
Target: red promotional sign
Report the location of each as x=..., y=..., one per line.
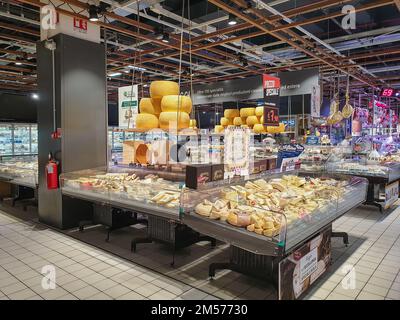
x=271, y=85
x=80, y=24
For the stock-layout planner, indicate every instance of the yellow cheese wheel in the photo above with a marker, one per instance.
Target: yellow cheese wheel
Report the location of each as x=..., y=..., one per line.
x=244, y=126
x=278, y=129
x=175, y=102
x=218, y=129
x=146, y=106
x=157, y=105
x=259, y=111
x=262, y=119
x=258, y=128
x=159, y=89
x=168, y=120
x=231, y=113
x=146, y=121
x=237, y=121
x=226, y=121
x=246, y=112
x=192, y=123
x=251, y=121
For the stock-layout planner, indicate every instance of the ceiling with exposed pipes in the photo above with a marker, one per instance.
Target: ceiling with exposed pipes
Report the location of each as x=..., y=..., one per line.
x=195, y=41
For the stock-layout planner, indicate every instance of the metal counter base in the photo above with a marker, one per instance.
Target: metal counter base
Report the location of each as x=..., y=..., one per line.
x=172, y=233
x=163, y=225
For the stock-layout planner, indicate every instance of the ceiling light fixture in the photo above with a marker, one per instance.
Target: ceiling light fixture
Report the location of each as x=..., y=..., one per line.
x=137, y=68
x=93, y=13
x=18, y=61
x=115, y=74
x=165, y=37
x=35, y=96
x=232, y=20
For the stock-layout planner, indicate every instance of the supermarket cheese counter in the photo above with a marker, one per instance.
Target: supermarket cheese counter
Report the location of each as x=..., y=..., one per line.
x=19, y=179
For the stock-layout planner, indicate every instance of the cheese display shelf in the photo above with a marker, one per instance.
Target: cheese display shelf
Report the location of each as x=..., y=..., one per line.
x=20, y=171
x=293, y=215
x=378, y=174
x=137, y=191
x=266, y=220
x=123, y=187
x=19, y=179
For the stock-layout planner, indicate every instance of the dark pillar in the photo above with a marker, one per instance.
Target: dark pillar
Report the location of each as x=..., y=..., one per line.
x=81, y=114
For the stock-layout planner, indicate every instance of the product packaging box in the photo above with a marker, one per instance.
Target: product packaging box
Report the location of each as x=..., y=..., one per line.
x=263, y=165
x=271, y=163
x=197, y=174
x=217, y=172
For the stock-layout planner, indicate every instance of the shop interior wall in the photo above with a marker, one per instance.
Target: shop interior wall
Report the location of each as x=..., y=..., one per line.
x=22, y=108
x=17, y=108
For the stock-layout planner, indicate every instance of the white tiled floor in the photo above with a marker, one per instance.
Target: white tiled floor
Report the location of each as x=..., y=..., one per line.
x=86, y=272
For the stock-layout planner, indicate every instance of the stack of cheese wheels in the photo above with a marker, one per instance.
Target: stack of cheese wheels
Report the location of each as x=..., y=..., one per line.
x=244, y=113
x=175, y=112
x=229, y=116
x=147, y=119
x=226, y=121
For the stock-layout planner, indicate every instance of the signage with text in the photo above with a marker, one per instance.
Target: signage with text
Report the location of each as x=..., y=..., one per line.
x=127, y=106
x=271, y=116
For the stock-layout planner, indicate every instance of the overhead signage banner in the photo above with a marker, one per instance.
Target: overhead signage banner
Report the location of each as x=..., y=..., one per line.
x=271, y=86
x=230, y=90
x=298, y=82
x=127, y=106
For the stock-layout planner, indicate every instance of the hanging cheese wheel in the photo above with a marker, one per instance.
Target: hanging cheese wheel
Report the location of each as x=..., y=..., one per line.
x=192, y=123
x=259, y=111
x=231, y=113
x=157, y=105
x=146, y=121
x=237, y=121
x=258, y=128
x=159, y=89
x=146, y=106
x=251, y=121
x=226, y=121
x=168, y=120
x=175, y=102
x=218, y=129
x=247, y=112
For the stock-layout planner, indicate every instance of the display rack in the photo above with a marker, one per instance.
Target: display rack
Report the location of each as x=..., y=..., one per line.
x=22, y=173
x=377, y=174
x=134, y=191
x=260, y=254
x=18, y=139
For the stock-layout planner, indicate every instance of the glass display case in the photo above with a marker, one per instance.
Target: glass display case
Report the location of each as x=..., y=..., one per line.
x=140, y=190
x=20, y=170
x=360, y=166
x=271, y=214
x=6, y=139
x=18, y=139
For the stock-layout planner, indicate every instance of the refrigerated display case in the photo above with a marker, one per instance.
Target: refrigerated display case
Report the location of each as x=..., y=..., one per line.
x=152, y=193
x=18, y=139
x=22, y=170
x=270, y=217
x=6, y=139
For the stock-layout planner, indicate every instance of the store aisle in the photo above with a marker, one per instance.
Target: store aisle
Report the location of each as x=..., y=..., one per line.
x=81, y=271
x=85, y=272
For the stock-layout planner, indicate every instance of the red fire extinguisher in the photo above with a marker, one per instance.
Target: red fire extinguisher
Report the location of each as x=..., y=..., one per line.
x=52, y=173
